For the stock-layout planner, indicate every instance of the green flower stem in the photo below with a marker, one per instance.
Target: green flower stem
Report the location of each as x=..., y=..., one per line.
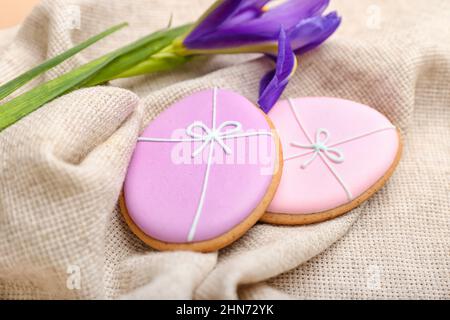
x=163, y=61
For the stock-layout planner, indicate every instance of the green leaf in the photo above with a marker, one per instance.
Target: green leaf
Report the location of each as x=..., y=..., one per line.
x=151, y=45
x=13, y=85
x=83, y=76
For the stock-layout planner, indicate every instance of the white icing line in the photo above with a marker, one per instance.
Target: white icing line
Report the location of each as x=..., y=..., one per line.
x=191, y=234
x=249, y=134
x=291, y=104
x=361, y=136
x=338, y=177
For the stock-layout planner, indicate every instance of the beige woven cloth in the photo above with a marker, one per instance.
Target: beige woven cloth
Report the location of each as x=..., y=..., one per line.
x=62, y=168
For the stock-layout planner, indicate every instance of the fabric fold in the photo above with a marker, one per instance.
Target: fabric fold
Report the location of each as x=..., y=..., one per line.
x=62, y=168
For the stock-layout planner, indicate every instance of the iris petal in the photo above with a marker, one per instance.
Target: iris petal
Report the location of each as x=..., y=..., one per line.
x=229, y=24
x=265, y=80
x=214, y=17
x=273, y=83
x=235, y=36
x=289, y=13
x=222, y=14
x=233, y=26
x=236, y=23
x=247, y=10
x=310, y=33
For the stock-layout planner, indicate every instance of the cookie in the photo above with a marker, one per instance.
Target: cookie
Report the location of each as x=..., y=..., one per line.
x=202, y=173
x=337, y=153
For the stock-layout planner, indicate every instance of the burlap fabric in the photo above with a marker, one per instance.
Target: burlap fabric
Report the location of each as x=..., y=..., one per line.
x=61, y=169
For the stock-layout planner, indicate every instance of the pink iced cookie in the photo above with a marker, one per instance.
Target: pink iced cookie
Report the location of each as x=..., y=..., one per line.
x=203, y=172
x=337, y=153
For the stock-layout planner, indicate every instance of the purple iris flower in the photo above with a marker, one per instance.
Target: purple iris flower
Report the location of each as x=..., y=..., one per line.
x=278, y=28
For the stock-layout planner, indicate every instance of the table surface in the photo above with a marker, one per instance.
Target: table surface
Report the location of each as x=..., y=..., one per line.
x=14, y=11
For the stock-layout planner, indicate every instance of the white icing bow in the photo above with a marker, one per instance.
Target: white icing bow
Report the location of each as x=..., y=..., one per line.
x=208, y=135
x=322, y=136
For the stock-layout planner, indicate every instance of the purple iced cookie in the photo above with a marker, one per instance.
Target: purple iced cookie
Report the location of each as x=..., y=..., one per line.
x=203, y=172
